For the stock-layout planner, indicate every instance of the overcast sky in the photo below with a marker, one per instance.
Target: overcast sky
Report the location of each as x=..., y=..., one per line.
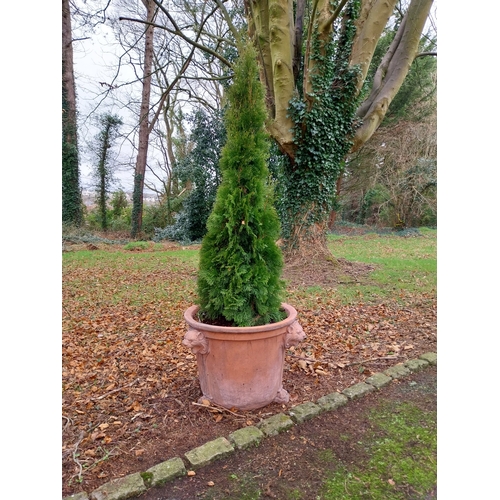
x=94, y=61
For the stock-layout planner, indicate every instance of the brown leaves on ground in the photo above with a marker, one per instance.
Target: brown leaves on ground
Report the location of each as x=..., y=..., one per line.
x=129, y=384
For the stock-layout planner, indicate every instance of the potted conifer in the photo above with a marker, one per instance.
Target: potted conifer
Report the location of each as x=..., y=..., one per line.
x=240, y=328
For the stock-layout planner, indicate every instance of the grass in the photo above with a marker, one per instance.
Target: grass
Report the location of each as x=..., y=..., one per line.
x=402, y=462
x=403, y=265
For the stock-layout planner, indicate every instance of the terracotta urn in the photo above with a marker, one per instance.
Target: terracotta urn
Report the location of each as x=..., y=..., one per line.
x=242, y=367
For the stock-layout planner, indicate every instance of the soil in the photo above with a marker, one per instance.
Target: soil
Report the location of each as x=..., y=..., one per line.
x=167, y=427
x=300, y=459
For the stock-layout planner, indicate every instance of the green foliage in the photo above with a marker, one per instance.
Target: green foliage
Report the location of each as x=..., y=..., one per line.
x=201, y=168
x=118, y=203
x=324, y=126
x=72, y=205
x=155, y=216
x=119, y=216
x=240, y=263
x=370, y=203
x=137, y=204
x=103, y=172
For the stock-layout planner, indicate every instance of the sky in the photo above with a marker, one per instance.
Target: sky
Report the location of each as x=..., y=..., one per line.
x=93, y=62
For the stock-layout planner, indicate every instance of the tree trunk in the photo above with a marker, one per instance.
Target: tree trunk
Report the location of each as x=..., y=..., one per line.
x=71, y=195
x=271, y=28
x=333, y=214
x=392, y=71
x=307, y=244
x=142, y=153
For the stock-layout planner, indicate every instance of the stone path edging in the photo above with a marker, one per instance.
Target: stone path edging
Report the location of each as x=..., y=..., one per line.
x=133, y=485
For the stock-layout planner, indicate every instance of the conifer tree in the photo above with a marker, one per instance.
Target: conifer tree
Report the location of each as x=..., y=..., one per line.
x=240, y=262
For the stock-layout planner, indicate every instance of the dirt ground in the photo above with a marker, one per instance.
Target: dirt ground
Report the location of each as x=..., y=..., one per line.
x=300, y=459
x=163, y=427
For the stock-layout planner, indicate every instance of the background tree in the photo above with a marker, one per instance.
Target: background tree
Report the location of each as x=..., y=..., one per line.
x=322, y=98
x=362, y=196
x=314, y=62
x=109, y=125
x=395, y=177
x=199, y=171
x=71, y=194
x=174, y=78
x=118, y=203
x=319, y=106
x=142, y=152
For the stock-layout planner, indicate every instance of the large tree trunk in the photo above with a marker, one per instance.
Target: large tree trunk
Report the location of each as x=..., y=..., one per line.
x=271, y=27
x=71, y=195
x=142, y=153
x=392, y=71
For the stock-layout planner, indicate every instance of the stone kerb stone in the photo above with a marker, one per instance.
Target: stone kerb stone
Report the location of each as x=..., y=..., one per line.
x=272, y=426
x=358, y=390
x=397, y=371
x=304, y=411
x=416, y=365
x=165, y=471
x=208, y=452
x=332, y=401
x=121, y=488
x=246, y=437
x=378, y=380
x=78, y=496
x=430, y=357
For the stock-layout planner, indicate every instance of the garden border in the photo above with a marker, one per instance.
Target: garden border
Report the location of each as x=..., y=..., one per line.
x=133, y=485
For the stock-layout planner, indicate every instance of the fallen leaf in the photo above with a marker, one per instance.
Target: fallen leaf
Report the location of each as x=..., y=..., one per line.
x=103, y=426
x=303, y=364
x=139, y=453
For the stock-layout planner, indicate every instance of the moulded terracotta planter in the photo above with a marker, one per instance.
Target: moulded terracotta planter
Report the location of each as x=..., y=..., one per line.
x=242, y=367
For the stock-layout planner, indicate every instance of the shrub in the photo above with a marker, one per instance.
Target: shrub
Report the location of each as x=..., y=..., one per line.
x=136, y=245
x=240, y=263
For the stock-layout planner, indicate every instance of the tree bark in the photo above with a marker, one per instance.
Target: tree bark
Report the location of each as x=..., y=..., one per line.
x=142, y=153
x=393, y=70
x=272, y=29
x=71, y=195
